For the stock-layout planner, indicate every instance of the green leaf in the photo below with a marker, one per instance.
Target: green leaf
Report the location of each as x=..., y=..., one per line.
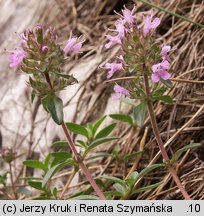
x=167, y=83
x=84, y=197
x=61, y=156
x=132, y=179
x=178, y=153
x=164, y=98
x=149, y=187
x=54, y=192
x=3, y=178
x=77, y=129
x=114, y=179
x=120, y=188
x=97, y=142
x=60, y=144
x=35, y=164
x=128, y=156
x=89, y=128
x=98, y=124
x=53, y=170
x=139, y=113
x=105, y=131
x=37, y=185
x=123, y=118
x=147, y=170
x=81, y=144
x=47, y=160
x=159, y=92
x=97, y=155
x=70, y=78
x=54, y=106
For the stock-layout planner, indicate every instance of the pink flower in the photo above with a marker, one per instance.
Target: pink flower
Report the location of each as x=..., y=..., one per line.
x=160, y=71
x=113, y=40
x=165, y=53
x=150, y=25
x=23, y=38
x=16, y=57
x=128, y=15
x=120, y=92
x=120, y=28
x=73, y=45
x=113, y=68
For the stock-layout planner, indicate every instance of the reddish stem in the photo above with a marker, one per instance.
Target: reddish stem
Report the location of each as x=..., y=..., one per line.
x=77, y=156
x=159, y=140
x=81, y=164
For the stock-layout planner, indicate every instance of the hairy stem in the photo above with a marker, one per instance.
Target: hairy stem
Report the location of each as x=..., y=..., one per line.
x=81, y=164
x=159, y=140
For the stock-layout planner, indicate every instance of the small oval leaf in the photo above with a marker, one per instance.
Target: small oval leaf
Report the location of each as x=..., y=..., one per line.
x=105, y=131
x=123, y=118
x=77, y=129
x=54, y=106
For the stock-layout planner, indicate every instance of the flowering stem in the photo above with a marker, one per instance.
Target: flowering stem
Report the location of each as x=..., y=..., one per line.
x=77, y=156
x=159, y=140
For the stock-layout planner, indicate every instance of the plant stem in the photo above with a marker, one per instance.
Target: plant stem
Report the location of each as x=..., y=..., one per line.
x=159, y=140
x=77, y=156
x=12, y=182
x=81, y=164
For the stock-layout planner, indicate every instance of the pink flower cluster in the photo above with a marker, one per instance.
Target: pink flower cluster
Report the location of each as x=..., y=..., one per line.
x=16, y=57
x=124, y=26
x=160, y=70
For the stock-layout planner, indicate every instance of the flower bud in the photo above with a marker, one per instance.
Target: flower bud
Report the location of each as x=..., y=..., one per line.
x=7, y=154
x=44, y=49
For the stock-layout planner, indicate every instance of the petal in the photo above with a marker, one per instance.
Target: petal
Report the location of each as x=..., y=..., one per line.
x=165, y=50
x=128, y=15
x=110, y=74
x=165, y=65
x=165, y=75
x=155, y=67
x=147, y=26
x=76, y=48
x=108, y=65
x=116, y=96
x=155, y=77
x=155, y=23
